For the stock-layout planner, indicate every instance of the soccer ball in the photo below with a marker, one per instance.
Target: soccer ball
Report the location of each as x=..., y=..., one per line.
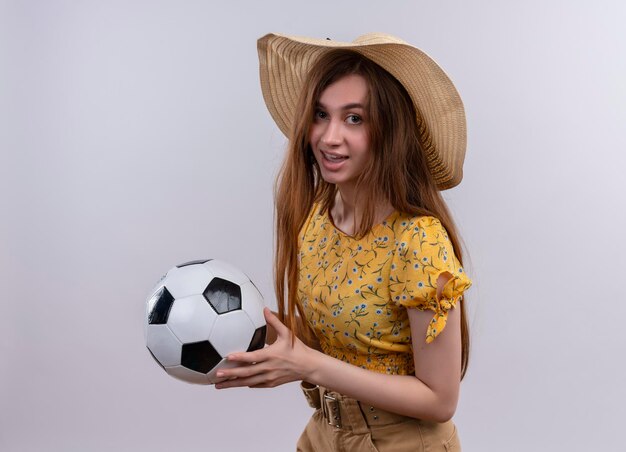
x=198, y=313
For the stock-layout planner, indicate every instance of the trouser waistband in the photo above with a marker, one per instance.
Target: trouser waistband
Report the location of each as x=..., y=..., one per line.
x=347, y=413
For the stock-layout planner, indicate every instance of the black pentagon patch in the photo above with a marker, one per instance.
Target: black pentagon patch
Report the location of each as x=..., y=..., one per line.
x=202, y=261
x=200, y=356
x=223, y=296
x=258, y=339
x=163, y=301
x=157, y=361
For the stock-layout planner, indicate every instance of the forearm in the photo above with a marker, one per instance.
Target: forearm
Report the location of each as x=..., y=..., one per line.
x=402, y=394
x=287, y=360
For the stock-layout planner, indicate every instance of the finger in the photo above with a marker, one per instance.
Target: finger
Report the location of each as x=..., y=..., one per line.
x=256, y=356
x=219, y=380
x=258, y=381
x=241, y=371
x=235, y=383
x=274, y=322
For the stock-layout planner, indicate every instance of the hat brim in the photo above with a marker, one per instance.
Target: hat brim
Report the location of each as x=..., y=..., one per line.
x=285, y=61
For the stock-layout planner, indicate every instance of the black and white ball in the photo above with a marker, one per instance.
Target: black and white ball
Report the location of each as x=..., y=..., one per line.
x=200, y=312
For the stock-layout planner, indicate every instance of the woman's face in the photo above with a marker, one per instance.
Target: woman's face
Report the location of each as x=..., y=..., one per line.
x=340, y=133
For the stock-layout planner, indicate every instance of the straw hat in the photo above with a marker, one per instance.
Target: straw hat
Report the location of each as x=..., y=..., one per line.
x=285, y=61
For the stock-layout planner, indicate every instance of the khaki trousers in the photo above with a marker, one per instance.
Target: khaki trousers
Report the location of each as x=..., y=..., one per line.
x=343, y=424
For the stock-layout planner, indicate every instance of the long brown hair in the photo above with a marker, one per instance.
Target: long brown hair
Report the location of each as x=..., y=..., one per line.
x=397, y=173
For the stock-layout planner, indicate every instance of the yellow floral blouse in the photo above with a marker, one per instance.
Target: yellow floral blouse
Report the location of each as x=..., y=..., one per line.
x=354, y=293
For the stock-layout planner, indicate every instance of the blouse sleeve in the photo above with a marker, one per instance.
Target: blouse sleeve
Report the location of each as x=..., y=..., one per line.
x=425, y=253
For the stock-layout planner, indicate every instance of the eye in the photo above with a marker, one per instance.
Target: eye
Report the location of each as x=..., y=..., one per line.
x=320, y=114
x=354, y=119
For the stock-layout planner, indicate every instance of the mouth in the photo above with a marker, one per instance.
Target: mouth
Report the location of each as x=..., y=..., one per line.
x=334, y=158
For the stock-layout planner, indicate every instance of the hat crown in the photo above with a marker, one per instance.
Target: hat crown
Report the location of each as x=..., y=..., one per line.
x=378, y=38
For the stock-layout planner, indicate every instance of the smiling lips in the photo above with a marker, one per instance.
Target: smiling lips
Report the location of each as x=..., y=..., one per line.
x=333, y=157
x=332, y=162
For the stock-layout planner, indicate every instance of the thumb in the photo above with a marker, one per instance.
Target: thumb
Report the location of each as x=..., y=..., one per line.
x=274, y=322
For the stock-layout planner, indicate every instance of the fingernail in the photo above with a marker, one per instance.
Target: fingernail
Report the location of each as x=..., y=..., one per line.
x=219, y=374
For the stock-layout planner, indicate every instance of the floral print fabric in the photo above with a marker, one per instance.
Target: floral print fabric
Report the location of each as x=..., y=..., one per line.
x=354, y=293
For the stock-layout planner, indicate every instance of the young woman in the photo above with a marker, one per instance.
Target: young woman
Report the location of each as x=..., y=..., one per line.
x=369, y=278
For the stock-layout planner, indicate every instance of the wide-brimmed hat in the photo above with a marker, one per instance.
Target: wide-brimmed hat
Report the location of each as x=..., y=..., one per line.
x=285, y=62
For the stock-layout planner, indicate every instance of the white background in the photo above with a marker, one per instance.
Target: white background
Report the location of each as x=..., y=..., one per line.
x=133, y=136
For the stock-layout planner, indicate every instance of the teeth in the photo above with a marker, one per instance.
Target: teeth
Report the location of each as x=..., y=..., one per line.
x=334, y=158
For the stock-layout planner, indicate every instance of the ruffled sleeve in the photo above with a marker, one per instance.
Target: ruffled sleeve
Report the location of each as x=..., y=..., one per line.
x=423, y=253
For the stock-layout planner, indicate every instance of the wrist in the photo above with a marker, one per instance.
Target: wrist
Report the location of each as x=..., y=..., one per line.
x=312, y=363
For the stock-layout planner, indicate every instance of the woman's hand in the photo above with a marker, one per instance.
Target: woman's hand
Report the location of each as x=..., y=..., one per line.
x=274, y=365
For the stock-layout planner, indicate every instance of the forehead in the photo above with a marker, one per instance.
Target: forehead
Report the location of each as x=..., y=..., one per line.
x=349, y=89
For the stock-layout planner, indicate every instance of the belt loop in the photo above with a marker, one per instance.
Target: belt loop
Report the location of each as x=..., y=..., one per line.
x=312, y=395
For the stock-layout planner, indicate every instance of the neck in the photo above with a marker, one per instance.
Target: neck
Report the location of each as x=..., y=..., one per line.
x=347, y=212
x=342, y=213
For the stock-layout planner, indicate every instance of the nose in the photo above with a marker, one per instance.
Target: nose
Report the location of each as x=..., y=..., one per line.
x=332, y=133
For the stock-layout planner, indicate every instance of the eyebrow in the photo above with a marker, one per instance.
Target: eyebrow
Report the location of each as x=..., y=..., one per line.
x=343, y=107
